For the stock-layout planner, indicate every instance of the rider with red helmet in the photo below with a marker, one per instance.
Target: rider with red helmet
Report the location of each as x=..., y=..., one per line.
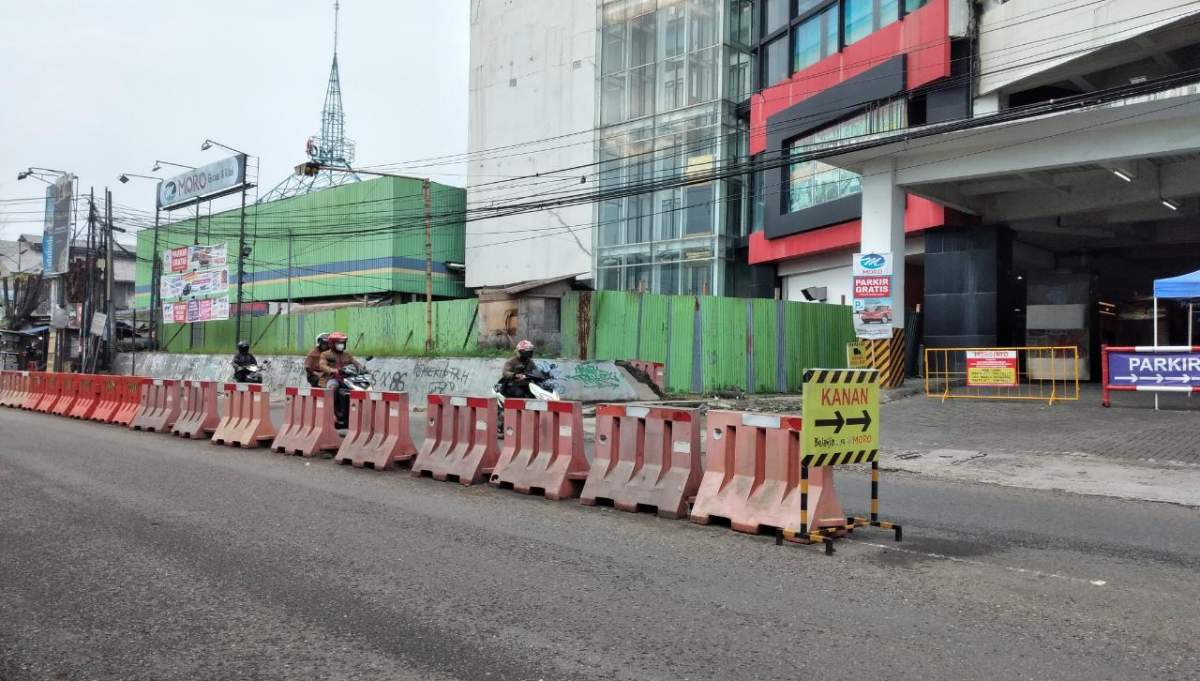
x=336, y=357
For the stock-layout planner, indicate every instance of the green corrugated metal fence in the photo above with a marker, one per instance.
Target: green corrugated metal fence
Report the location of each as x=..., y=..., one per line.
x=392, y=330
x=743, y=344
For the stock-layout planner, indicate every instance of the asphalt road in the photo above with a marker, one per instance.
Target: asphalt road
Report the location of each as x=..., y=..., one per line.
x=137, y=556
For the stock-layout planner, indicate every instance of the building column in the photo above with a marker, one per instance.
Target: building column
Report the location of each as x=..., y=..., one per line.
x=883, y=232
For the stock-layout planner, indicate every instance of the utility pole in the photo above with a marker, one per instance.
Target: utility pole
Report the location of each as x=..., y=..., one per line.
x=155, y=273
x=88, y=306
x=109, y=321
x=237, y=325
x=428, y=269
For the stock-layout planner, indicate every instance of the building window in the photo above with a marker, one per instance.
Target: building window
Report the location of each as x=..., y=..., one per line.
x=741, y=21
x=914, y=5
x=813, y=183
x=775, y=62
x=864, y=17
x=775, y=15
x=816, y=39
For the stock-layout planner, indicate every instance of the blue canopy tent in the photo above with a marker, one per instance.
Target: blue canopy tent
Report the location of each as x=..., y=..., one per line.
x=1184, y=287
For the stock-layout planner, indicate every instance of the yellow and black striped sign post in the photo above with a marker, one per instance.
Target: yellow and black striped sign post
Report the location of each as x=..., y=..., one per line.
x=840, y=426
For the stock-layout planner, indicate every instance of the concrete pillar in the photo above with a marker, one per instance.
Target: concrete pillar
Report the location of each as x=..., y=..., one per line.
x=883, y=223
x=883, y=231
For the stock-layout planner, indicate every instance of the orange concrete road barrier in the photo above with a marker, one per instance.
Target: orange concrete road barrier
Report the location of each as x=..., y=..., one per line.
x=246, y=420
x=158, y=407
x=14, y=389
x=543, y=449
x=68, y=390
x=646, y=458
x=51, y=391
x=460, y=439
x=753, y=477
x=654, y=370
x=38, y=385
x=307, y=428
x=198, y=415
x=130, y=399
x=110, y=399
x=378, y=432
x=88, y=397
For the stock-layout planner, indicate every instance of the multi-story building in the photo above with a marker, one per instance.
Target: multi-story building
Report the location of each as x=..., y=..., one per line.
x=671, y=75
x=1030, y=159
x=1025, y=161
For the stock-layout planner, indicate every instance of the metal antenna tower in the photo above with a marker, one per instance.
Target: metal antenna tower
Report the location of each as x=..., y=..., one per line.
x=330, y=148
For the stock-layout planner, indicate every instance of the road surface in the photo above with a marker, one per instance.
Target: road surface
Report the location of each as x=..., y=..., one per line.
x=138, y=556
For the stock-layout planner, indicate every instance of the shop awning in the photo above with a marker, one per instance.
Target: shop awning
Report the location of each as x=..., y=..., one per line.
x=1185, y=286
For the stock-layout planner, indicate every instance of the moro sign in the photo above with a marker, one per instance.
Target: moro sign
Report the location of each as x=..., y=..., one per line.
x=205, y=181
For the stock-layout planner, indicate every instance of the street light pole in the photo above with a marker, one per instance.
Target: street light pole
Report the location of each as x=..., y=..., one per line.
x=237, y=330
x=241, y=250
x=155, y=258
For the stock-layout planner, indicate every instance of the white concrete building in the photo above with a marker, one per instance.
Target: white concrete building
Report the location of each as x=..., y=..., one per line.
x=532, y=109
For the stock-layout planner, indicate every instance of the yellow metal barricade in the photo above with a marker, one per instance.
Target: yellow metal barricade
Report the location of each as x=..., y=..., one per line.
x=1047, y=374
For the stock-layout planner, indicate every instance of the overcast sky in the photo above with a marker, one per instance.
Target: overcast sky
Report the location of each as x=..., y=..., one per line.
x=101, y=87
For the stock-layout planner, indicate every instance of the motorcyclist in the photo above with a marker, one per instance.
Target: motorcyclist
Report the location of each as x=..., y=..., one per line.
x=242, y=361
x=312, y=361
x=514, y=381
x=336, y=357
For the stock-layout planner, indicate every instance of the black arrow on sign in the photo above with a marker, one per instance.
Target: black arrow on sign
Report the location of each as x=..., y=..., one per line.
x=836, y=423
x=865, y=421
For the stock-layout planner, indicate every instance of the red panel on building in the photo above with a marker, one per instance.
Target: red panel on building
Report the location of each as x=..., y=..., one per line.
x=919, y=215
x=923, y=35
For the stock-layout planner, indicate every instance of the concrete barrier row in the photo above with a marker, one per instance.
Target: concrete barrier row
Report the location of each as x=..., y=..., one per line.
x=755, y=477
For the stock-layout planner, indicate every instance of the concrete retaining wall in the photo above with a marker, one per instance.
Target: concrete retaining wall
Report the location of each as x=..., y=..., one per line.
x=598, y=381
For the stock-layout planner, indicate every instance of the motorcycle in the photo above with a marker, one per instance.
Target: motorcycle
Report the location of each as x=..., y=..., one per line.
x=251, y=373
x=541, y=387
x=349, y=378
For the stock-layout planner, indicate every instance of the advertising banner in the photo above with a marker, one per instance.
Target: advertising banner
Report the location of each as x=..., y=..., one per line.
x=198, y=257
x=873, y=313
x=199, y=283
x=214, y=178
x=56, y=237
x=196, y=310
x=992, y=368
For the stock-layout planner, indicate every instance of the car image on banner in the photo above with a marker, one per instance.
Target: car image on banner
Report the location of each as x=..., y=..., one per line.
x=872, y=304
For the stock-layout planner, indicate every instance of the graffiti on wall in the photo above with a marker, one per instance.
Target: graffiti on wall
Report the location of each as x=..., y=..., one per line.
x=585, y=374
x=437, y=377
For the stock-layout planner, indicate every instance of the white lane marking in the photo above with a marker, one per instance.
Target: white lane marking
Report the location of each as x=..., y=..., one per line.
x=978, y=563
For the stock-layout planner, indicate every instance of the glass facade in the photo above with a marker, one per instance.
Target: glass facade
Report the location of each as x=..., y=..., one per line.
x=672, y=72
x=813, y=182
x=864, y=17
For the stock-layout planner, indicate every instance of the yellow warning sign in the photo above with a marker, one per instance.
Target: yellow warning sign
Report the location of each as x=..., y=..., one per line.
x=841, y=417
x=856, y=355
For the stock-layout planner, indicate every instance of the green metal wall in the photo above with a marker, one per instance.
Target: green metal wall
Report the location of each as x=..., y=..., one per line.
x=392, y=330
x=357, y=239
x=742, y=344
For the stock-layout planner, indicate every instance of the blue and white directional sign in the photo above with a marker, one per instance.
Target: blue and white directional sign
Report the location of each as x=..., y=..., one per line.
x=1154, y=370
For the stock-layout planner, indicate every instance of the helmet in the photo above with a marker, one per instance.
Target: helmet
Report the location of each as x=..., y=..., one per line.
x=525, y=346
x=337, y=340
x=243, y=347
x=323, y=340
